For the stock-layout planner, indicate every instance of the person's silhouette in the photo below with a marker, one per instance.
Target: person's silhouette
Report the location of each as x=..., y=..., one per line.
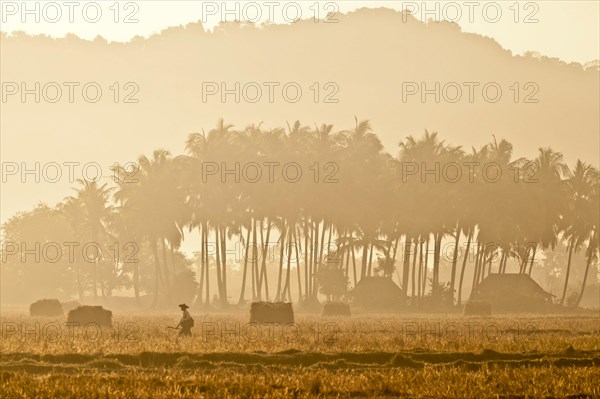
x=187, y=322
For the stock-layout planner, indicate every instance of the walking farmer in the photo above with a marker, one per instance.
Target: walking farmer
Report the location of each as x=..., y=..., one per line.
x=186, y=323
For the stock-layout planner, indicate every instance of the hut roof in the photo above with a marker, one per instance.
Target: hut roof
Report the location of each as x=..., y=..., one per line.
x=374, y=284
x=511, y=291
x=376, y=292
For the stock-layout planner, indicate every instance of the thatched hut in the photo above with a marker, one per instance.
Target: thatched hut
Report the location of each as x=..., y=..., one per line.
x=512, y=292
x=376, y=293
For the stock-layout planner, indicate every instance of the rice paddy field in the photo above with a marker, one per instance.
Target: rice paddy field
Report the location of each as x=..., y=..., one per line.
x=419, y=356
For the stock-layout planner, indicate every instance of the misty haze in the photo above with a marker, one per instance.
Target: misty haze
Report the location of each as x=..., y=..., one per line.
x=353, y=203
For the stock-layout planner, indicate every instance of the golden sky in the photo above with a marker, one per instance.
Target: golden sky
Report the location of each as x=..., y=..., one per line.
x=567, y=30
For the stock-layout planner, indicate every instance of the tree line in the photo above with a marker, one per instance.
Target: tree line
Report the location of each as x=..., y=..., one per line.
x=339, y=208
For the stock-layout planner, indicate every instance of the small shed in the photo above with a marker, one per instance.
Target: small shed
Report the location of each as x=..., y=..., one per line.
x=512, y=292
x=376, y=293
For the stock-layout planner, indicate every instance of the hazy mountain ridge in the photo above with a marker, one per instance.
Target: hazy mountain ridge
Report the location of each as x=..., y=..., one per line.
x=245, y=27
x=374, y=52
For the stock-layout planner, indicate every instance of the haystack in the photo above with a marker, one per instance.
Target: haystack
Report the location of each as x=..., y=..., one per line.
x=46, y=308
x=90, y=315
x=336, y=309
x=271, y=312
x=376, y=293
x=477, y=308
x=512, y=292
x=70, y=305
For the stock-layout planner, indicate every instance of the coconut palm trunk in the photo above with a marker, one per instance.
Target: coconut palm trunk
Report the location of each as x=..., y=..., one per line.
x=263, y=269
x=321, y=254
x=286, y=287
x=295, y=237
x=199, y=298
x=244, y=273
x=564, y=293
x=424, y=282
x=592, y=247
x=255, y=270
x=420, y=274
x=395, y=251
x=346, y=261
x=329, y=238
x=281, y=249
x=136, y=281
x=524, y=262
x=218, y=264
x=370, y=267
x=309, y=257
x=224, y=299
x=156, y=270
x=353, y=265
x=454, y=261
x=363, y=268
x=532, y=259
x=306, y=259
x=492, y=254
x=406, y=265
x=476, y=272
x=207, y=264
x=414, y=265
x=501, y=262
x=437, y=249
x=464, y=264
x=313, y=271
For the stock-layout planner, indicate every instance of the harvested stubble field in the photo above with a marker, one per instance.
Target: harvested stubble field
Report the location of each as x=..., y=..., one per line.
x=364, y=356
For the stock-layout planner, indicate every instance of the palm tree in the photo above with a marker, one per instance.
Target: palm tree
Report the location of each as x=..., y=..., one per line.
x=209, y=197
x=154, y=192
x=546, y=173
x=90, y=215
x=592, y=212
x=580, y=217
x=366, y=214
x=428, y=154
x=71, y=209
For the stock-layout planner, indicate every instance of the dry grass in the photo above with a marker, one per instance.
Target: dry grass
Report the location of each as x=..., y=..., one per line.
x=384, y=355
x=299, y=382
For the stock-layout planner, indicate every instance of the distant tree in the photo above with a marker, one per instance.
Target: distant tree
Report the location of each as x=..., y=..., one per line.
x=352, y=200
x=35, y=261
x=91, y=213
x=333, y=283
x=386, y=266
